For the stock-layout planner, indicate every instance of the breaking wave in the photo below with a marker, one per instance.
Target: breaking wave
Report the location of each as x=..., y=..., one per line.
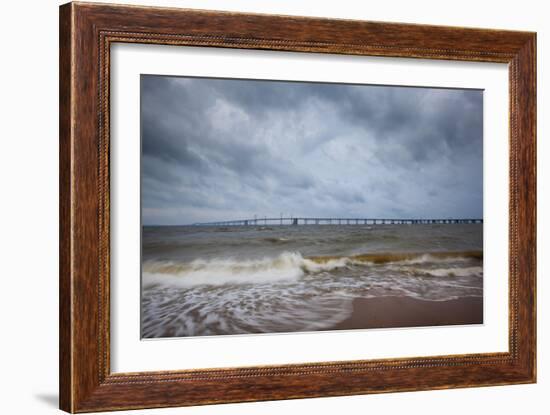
x=292, y=266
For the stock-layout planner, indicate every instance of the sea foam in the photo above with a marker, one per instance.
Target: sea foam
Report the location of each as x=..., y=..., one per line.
x=287, y=266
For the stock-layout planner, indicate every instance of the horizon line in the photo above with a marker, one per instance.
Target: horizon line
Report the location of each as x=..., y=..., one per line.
x=291, y=220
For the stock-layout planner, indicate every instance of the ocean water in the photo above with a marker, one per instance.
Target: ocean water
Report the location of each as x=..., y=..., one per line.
x=199, y=281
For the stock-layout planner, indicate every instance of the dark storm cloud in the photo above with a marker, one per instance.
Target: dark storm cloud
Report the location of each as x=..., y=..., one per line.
x=215, y=149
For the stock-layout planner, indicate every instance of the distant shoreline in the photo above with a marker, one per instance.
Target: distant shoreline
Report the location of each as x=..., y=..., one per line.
x=394, y=312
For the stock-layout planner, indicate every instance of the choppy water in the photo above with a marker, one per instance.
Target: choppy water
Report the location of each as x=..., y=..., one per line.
x=210, y=281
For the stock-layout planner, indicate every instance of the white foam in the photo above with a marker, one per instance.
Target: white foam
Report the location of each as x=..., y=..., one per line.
x=454, y=272
x=422, y=259
x=287, y=266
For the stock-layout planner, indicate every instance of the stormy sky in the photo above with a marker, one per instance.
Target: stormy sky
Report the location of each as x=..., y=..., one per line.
x=219, y=149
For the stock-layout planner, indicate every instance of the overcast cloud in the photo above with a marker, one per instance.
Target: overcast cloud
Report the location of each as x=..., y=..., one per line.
x=215, y=149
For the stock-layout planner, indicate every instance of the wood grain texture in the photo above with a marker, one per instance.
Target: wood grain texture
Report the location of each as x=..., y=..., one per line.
x=65, y=246
x=86, y=33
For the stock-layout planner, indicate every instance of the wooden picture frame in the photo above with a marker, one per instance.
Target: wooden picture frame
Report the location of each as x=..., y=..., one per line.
x=86, y=33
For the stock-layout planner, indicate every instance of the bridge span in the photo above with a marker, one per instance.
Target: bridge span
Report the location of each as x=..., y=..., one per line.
x=336, y=221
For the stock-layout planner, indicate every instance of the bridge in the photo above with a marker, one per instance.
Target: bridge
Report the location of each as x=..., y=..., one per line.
x=335, y=221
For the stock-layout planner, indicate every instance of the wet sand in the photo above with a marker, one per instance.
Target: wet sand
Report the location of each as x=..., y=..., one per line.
x=386, y=312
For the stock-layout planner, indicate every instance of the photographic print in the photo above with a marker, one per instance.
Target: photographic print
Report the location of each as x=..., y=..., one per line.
x=282, y=206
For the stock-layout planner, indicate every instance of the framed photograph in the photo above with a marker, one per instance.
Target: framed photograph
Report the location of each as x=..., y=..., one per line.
x=258, y=207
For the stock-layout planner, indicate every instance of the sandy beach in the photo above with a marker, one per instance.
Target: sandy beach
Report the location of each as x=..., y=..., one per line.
x=387, y=312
